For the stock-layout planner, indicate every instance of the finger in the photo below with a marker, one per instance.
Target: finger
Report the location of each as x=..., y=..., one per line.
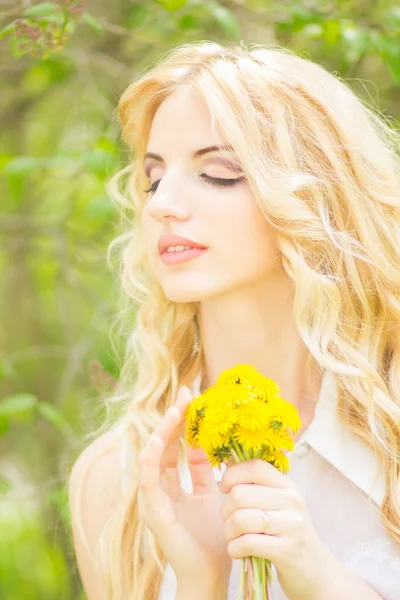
x=252, y=544
x=170, y=430
x=170, y=433
x=149, y=473
x=255, y=496
x=155, y=506
x=255, y=470
x=184, y=398
x=250, y=520
x=201, y=471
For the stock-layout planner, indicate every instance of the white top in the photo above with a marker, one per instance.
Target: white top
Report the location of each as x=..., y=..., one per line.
x=335, y=473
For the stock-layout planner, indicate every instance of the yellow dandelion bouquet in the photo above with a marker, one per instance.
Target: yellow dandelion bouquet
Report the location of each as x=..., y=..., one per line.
x=242, y=417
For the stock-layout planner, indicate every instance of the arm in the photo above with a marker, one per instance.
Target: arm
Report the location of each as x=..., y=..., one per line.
x=214, y=589
x=338, y=583
x=95, y=475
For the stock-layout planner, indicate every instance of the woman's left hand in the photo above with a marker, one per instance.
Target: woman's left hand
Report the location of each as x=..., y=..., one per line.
x=291, y=543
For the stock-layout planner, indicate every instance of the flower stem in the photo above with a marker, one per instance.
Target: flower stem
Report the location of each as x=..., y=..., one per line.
x=235, y=456
x=255, y=561
x=240, y=594
x=239, y=451
x=263, y=579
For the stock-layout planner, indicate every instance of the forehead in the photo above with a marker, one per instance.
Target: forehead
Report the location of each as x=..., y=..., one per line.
x=183, y=116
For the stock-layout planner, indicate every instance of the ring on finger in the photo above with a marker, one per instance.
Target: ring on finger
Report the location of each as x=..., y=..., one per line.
x=265, y=517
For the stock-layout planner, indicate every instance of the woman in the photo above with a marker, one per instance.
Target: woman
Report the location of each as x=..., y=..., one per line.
x=286, y=189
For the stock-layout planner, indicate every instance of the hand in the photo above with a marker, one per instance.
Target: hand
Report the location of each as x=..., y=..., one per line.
x=187, y=526
x=291, y=544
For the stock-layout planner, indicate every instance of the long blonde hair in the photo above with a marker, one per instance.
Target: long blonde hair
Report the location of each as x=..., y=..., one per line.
x=324, y=169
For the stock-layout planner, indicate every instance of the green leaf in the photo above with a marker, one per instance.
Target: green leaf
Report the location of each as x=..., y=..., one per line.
x=5, y=485
x=70, y=27
x=226, y=19
x=16, y=50
x=331, y=29
x=388, y=48
x=391, y=19
x=99, y=161
x=172, y=5
x=43, y=8
x=4, y=425
x=7, y=29
x=313, y=30
x=136, y=16
x=2, y=371
x=188, y=22
x=20, y=407
x=355, y=40
x=5, y=158
x=298, y=18
x=21, y=166
x=17, y=171
x=36, y=79
x=100, y=207
x=390, y=52
x=54, y=416
x=104, y=143
x=58, y=497
x=94, y=23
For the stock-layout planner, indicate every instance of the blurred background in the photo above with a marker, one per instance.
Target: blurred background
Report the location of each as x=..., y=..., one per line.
x=64, y=65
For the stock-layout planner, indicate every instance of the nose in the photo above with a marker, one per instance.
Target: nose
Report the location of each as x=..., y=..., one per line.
x=167, y=202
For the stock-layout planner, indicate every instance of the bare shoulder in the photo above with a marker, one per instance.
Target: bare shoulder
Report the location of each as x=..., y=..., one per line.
x=94, y=493
x=98, y=468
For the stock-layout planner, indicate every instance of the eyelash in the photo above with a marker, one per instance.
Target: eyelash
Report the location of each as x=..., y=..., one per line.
x=212, y=180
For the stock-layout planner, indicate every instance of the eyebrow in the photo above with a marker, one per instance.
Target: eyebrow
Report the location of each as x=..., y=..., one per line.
x=195, y=154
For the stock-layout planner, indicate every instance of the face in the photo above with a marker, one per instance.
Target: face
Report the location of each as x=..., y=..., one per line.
x=189, y=199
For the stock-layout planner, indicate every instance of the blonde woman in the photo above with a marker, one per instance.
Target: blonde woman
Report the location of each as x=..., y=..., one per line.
x=263, y=211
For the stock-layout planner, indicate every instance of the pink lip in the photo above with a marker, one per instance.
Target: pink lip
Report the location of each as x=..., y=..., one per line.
x=173, y=258
x=176, y=240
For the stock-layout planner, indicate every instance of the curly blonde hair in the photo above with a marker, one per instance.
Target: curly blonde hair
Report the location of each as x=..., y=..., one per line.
x=324, y=169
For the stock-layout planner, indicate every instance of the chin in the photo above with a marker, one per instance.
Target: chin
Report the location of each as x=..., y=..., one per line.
x=187, y=287
x=182, y=295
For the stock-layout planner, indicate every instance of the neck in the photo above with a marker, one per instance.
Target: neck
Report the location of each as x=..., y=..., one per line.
x=248, y=330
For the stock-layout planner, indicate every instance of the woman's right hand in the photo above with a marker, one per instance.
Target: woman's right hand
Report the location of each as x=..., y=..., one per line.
x=188, y=526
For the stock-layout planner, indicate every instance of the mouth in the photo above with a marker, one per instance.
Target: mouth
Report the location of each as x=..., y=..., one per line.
x=179, y=256
x=182, y=249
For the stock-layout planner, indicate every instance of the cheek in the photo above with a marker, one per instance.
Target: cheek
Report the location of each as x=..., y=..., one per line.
x=147, y=233
x=244, y=236
x=150, y=239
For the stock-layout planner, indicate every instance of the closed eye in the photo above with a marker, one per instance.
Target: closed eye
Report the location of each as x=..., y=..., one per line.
x=212, y=180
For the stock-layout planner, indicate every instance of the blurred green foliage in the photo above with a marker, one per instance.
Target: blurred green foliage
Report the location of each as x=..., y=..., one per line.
x=64, y=65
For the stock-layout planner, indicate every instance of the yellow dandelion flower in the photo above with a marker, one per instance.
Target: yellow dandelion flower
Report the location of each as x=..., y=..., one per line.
x=195, y=410
x=243, y=416
x=234, y=395
x=217, y=424
x=278, y=442
x=209, y=442
x=251, y=439
x=235, y=375
x=254, y=415
x=248, y=376
x=192, y=434
x=285, y=415
x=277, y=459
x=219, y=455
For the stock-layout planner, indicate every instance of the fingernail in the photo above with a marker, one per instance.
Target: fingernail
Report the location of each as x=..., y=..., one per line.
x=184, y=393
